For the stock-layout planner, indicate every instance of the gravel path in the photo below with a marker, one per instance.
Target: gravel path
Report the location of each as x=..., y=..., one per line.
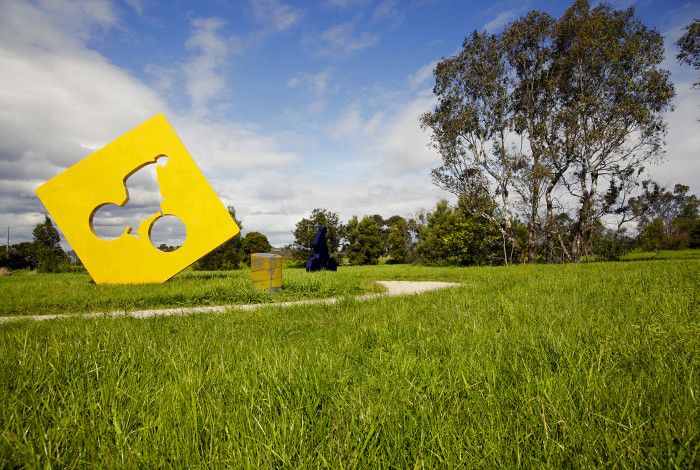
x=393, y=289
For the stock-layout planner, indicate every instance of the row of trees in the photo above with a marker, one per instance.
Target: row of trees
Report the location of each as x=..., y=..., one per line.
x=450, y=234
x=235, y=251
x=44, y=253
x=455, y=234
x=547, y=127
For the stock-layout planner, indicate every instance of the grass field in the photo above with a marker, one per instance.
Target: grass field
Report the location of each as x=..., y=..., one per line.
x=29, y=293
x=561, y=366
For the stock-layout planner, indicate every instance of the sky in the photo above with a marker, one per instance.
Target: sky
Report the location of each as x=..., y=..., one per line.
x=285, y=106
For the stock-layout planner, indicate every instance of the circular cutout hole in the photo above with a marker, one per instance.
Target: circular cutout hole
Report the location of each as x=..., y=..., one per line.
x=168, y=233
x=108, y=221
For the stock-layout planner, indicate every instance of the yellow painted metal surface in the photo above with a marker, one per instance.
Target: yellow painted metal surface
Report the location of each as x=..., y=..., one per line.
x=73, y=196
x=266, y=270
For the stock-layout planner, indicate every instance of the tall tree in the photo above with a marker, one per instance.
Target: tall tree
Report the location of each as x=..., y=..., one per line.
x=528, y=47
x=47, y=247
x=366, y=245
x=666, y=219
x=576, y=103
x=306, y=229
x=398, y=240
x=470, y=126
x=615, y=96
x=349, y=232
x=384, y=227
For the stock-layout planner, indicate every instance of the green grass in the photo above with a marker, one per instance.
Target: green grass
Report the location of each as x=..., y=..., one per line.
x=558, y=366
x=661, y=255
x=29, y=293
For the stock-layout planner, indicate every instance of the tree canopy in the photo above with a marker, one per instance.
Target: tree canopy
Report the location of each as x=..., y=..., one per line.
x=573, y=105
x=48, y=253
x=306, y=229
x=254, y=242
x=226, y=256
x=366, y=245
x=689, y=47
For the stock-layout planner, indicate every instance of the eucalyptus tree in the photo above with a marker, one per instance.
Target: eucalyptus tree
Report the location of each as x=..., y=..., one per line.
x=528, y=47
x=614, y=96
x=471, y=127
x=552, y=106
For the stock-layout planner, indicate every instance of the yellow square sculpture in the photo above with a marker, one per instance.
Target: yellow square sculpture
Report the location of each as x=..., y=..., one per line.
x=73, y=197
x=266, y=269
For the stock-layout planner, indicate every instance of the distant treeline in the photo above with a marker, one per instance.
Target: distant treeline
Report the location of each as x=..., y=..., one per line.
x=452, y=234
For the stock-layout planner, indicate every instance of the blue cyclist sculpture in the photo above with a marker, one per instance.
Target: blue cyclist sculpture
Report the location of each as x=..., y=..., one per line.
x=321, y=259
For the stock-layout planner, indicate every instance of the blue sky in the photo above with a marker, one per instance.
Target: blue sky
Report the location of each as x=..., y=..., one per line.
x=286, y=106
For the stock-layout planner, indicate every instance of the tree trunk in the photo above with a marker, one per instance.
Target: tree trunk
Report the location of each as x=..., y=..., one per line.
x=588, y=236
x=532, y=223
x=551, y=226
x=508, y=220
x=532, y=228
x=550, y=222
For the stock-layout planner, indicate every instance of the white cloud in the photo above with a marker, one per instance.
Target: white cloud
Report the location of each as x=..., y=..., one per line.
x=388, y=11
x=205, y=72
x=393, y=137
x=499, y=21
x=163, y=79
x=681, y=163
x=272, y=202
x=228, y=150
x=316, y=83
x=341, y=40
x=351, y=126
x=270, y=17
x=59, y=101
x=80, y=16
x=403, y=144
x=277, y=16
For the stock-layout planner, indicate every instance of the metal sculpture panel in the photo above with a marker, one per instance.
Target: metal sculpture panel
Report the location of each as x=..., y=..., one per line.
x=74, y=196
